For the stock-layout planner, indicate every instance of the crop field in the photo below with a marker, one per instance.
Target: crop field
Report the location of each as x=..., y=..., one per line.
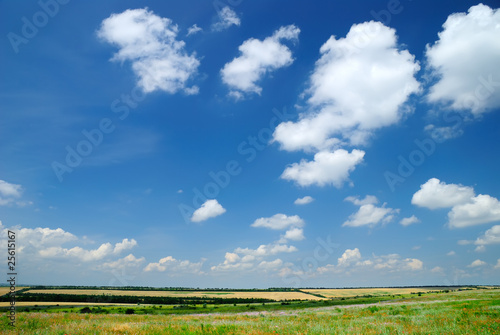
x=277, y=296
x=6, y=289
x=468, y=311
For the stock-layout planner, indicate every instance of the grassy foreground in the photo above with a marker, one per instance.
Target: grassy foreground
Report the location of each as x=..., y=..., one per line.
x=465, y=312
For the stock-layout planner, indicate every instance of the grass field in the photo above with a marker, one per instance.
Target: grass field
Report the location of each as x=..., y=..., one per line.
x=277, y=296
x=338, y=293
x=460, y=312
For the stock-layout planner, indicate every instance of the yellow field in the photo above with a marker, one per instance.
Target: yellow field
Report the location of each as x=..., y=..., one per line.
x=5, y=290
x=277, y=296
x=344, y=293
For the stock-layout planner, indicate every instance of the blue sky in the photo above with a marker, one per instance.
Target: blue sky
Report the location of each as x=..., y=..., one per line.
x=251, y=143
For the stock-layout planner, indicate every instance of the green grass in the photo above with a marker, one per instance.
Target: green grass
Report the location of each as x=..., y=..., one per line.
x=466, y=312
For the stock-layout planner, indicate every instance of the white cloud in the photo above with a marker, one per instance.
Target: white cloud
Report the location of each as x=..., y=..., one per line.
x=451, y=253
x=349, y=256
x=414, y=264
x=436, y=194
x=231, y=257
x=129, y=261
x=266, y=250
x=409, y=221
x=353, y=93
x=277, y=263
x=465, y=59
x=498, y=264
x=304, y=201
x=10, y=193
x=482, y=209
x=158, y=59
x=352, y=261
x=104, y=250
x=38, y=238
x=279, y=222
x=491, y=236
x=258, y=58
x=480, y=248
x=369, y=214
x=246, y=259
x=193, y=30
x=175, y=267
x=327, y=168
x=209, y=209
x=227, y=18
x=476, y=263
x=367, y=200
x=467, y=209
x=294, y=234
x=124, y=245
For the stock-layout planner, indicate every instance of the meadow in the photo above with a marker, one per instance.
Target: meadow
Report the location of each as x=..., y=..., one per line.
x=470, y=311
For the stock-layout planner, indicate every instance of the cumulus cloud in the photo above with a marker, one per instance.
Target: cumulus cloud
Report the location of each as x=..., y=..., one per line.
x=129, y=261
x=465, y=61
x=497, y=266
x=409, y=221
x=436, y=194
x=279, y=222
x=352, y=261
x=124, y=245
x=159, y=60
x=352, y=93
x=414, y=264
x=227, y=18
x=304, y=201
x=491, y=236
x=258, y=58
x=349, y=256
x=193, y=30
x=104, y=250
x=294, y=234
x=209, y=209
x=477, y=263
x=327, y=168
x=266, y=250
x=250, y=259
x=369, y=214
x=467, y=209
x=38, y=238
x=175, y=267
x=277, y=263
x=367, y=200
x=481, y=209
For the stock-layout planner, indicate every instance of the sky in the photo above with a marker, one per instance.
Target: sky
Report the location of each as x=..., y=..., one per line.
x=251, y=144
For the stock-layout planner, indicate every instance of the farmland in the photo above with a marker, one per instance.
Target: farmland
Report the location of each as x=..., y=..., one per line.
x=465, y=311
x=277, y=296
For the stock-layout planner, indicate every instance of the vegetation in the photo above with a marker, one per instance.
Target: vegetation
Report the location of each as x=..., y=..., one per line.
x=468, y=311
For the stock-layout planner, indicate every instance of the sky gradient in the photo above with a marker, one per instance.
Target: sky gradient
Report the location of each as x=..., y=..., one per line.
x=249, y=144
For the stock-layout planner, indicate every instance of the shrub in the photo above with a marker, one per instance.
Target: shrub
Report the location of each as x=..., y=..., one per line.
x=85, y=310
